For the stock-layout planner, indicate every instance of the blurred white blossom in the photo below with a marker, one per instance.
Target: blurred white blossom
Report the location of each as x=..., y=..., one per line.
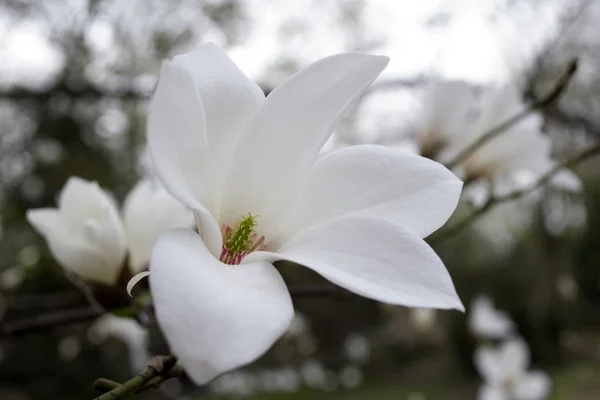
x=128, y=330
x=69, y=348
x=250, y=169
x=485, y=321
x=457, y=114
x=357, y=348
x=312, y=373
x=506, y=375
x=88, y=237
x=423, y=319
x=351, y=376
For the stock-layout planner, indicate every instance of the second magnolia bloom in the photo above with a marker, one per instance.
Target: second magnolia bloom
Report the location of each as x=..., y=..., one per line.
x=88, y=237
x=250, y=169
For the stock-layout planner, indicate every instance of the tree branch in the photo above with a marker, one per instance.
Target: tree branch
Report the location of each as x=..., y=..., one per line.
x=51, y=320
x=158, y=367
x=495, y=200
x=70, y=316
x=61, y=89
x=104, y=385
x=551, y=97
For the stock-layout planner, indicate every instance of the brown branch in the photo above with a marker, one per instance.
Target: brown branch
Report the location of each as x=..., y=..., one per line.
x=45, y=301
x=61, y=89
x=160, y=368
x=495, y=200
x=46, y=321
x=551, y=97
x=55, y=319
x=104, y=385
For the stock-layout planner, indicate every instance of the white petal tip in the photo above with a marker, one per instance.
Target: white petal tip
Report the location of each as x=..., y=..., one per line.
x=133, y=281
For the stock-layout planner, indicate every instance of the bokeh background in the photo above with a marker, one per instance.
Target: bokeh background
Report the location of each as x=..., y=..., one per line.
x=75, y=78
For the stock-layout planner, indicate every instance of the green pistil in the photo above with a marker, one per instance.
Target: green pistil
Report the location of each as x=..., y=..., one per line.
x=240, y=237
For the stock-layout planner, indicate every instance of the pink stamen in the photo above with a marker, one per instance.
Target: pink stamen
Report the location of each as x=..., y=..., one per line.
x=236, y=258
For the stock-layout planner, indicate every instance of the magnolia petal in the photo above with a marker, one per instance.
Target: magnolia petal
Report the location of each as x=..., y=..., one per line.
x=515, y=356
x=148, y=211
x=376, y=259
x=177, y=137
x=274, y=155
x=376, y=181
x=85, y=236
x=566, y=179
x=534, y=385
x=215, y=317
x=79, y=199
x=179, y=147
x=135, y=280
x=86, y=262
x=230, y=101
x=487, y=322
x=489, y=366
x=488, y=392
x=47, y=221
x=80, y=202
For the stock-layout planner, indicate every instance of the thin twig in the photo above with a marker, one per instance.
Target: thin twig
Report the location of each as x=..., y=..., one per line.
x=552, y=96
x=46, y=301
x=104, y=385
x=495, y=200
x=50, y=320
x=70, y=316
x=158, y=366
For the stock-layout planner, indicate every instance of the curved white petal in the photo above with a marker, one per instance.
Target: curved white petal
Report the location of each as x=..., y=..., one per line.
x=178, y=145
x=488, y=392
x=488, y=362
x=80, y=200
x=135, y=280
x=515, y=356
x=47, y=221
x=376, y=181
x=88, y=263
x=85, y=234
x=448, y=108
x=534, y=385
x=230, y=101
x=148, y=211
x=273, y=157
x=487, y=322
x=216, y=317
x=376, y=259
x=567, y=180
x=177, y=139
x=70, y=251
x=130, y=331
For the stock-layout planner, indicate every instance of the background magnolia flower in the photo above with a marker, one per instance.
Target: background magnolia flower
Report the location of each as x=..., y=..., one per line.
x=87, y=236
x=249, y=168
x=134, y=335
x=505, y=374
x=460, y=114
x=448, y=109
x=487, y=322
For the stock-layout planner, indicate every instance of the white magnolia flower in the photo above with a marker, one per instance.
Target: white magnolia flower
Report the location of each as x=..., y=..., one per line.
x=512, y=160
x=423, y=319
x=505, y=374
x=249, y=168
x=88, y=237
x=487, y=322
x=131, y=332
x=449, y=107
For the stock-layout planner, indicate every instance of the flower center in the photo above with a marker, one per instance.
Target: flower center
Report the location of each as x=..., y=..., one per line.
x=240, y=240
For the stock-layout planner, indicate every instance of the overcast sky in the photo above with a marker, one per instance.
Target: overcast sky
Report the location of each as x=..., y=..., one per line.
x=454, y=38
